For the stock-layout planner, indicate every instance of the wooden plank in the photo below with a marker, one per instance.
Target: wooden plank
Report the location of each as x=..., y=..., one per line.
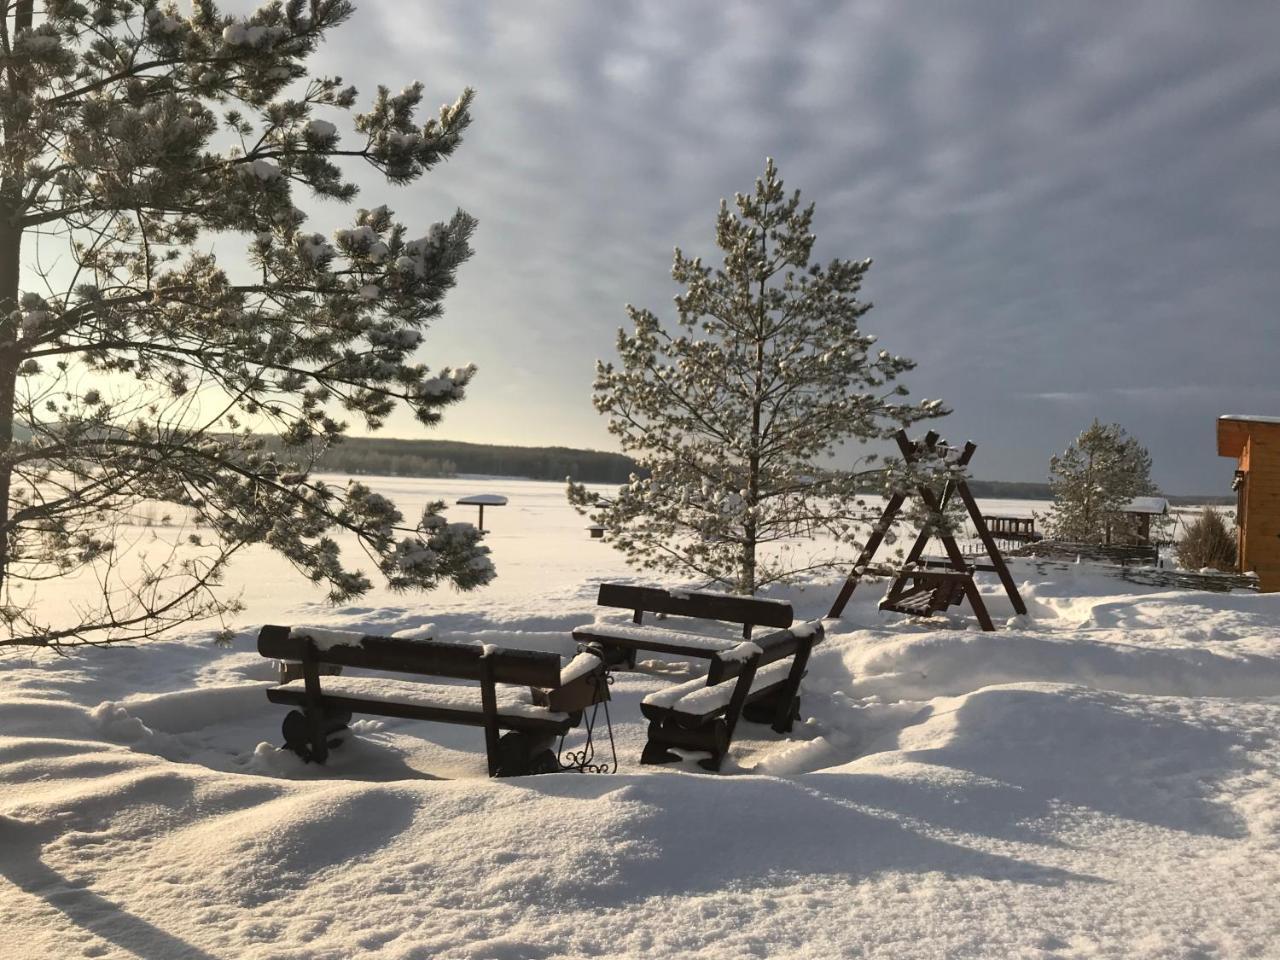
x=732, y=712
x=408, y=711
x=313, y=707
x=774, y=647
x=655, y=645
x=435, y=658
x=684, y=717
x=979, y=608
x=868, y=551
x=489, y=708
x=993, y=551
x=702, y=606
x=782, y=719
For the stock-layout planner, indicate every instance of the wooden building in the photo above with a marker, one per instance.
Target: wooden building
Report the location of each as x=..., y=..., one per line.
x=1131, y=524
x=1255, y=443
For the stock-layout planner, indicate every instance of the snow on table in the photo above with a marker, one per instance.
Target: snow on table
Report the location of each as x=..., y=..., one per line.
x=647, y=636
x=697, y=699
x=483, y=500
x=579, y=666
x=512, y=701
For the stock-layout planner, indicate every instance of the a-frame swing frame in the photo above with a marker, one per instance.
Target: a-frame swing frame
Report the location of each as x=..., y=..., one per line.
x=911, y=452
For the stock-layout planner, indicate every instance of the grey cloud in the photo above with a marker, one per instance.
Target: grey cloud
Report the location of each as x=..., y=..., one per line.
x=1067, y=202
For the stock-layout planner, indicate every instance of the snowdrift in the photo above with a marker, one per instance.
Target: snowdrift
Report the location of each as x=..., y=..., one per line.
x=1098, y=779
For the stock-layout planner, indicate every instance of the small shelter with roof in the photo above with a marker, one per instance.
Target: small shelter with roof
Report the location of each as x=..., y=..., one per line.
x=1255, y=443
x=1131, y=524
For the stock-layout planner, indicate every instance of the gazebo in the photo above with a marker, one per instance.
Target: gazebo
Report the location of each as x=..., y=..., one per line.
x=1255, y=443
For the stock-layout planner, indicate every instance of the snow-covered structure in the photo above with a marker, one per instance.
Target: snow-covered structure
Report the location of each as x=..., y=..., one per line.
x=1255, y=443
x=1131, y=523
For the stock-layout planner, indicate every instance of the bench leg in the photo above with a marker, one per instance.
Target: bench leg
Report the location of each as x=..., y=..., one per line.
x=523, y=754
x=655, y=752
x=711, y=737
x=619, y=658
x=307, y=732
x=778, y=710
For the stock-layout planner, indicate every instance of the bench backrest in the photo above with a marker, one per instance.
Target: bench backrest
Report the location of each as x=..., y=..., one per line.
x=727, y=664
x=434, y=658
x=702, y=605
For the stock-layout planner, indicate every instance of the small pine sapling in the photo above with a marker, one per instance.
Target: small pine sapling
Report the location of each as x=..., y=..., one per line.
x=730, y=414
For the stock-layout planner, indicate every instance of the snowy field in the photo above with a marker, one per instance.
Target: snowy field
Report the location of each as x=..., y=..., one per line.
x=1100, y=778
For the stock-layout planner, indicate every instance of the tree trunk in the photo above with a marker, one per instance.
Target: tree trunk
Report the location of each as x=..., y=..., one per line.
x=11, y=187
x=10, y=266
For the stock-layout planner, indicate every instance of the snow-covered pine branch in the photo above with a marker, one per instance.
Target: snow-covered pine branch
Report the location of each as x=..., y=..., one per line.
x=131, y=132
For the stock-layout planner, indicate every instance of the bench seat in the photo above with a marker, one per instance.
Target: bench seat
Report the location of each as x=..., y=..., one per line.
x=413, y=700
x=653, y=638
x=757, y=680
x=696, y=701
x=533, y=695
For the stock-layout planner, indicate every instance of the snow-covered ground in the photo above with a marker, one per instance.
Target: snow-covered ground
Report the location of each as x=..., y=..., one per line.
x=1100, y=778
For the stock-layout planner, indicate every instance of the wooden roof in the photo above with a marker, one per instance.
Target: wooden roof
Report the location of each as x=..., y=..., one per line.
x=1235, y=429
x=1152, y=505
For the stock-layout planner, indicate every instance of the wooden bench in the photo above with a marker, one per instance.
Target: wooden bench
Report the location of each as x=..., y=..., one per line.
x=622, y=641
x=703, y=713
x=529, y=694
x=922, y=592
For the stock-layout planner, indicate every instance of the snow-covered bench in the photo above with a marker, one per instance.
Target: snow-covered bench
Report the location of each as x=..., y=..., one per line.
x=530, y=694
x=702, y=713
x=621, y=641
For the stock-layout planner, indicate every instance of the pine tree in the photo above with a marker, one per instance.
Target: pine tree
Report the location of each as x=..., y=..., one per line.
x=134, y=365
x=1098, y=474
x=767, y=372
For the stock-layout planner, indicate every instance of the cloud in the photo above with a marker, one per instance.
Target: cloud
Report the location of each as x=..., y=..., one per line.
x=1071, y=204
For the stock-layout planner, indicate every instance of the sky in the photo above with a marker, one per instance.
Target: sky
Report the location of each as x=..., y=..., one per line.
x=1073, y=209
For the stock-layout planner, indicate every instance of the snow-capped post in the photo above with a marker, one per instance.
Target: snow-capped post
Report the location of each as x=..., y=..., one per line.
x=1092, y=481
x=766, y=373
x=138, y=368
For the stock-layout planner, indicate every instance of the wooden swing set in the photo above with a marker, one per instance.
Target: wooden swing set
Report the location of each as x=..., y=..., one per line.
x=923, y=586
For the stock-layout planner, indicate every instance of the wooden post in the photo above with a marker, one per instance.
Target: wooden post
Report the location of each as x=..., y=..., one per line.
x=993, y=551
x=736, y=702
x=979, y=608
x=489, y=704
x=782, y=719
x=314, y=707
x=868, y=551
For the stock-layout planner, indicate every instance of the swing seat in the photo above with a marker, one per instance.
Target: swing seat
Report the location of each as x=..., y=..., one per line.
x=929, y=592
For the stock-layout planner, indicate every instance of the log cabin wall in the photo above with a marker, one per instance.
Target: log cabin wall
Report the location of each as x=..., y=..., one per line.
x=1255, y=443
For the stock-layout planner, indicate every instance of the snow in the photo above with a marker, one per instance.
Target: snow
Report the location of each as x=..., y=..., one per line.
x=1157, y=505
x=803, y=630
x=1250, y=418
x=512, y=702
x=1098, y=779
x=325, y=639
x=698, y=699
x=644, y=633
x=581, y=665
x=485, y=499
x=321, y=130
x=742, y=652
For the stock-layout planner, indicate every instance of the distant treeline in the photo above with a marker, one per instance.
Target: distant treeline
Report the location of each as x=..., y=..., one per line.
x=1011, y=490
x=447, y=458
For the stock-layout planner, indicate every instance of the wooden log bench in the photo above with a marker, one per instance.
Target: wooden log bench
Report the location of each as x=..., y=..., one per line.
x=531, y=695
x=621, y=641
x=758, y=680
